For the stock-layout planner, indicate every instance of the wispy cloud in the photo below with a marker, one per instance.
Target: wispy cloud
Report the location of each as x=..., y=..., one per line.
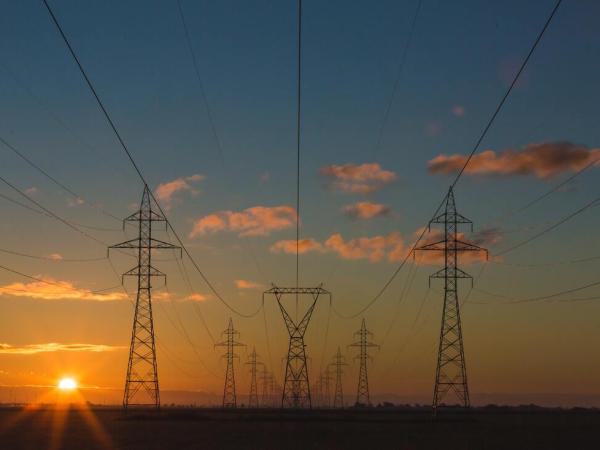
x=543, y=161
x=51, y=347
x=247, y=284
x=289, y=246
x=53, y=289
x=357, y=178
x=254, y=221
x=196, y=297
x=458, y=110
x=374, y=248
x=366, y=210
x=165, y=192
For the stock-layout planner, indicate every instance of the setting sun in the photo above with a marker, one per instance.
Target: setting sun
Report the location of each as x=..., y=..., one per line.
x=67, y=384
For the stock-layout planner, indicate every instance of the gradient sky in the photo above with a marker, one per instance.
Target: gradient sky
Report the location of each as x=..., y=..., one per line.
x=461, y=60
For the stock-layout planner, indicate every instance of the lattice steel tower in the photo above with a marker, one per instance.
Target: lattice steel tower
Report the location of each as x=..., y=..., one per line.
x=141, y=383
x=253, y=395
x=230, y=334
x=296, y=387
x=362, y=394
x=451, y=371
x=338, y=363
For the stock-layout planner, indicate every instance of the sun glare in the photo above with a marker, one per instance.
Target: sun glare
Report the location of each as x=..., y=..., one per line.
x=67, y=384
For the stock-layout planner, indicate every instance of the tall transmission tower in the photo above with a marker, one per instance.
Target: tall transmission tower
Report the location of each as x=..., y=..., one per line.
x=230, y=334
x=451, y=371
x=338, y=362
x=296, y=387
x=141, y=382
x=253, y=395
x=362, y=394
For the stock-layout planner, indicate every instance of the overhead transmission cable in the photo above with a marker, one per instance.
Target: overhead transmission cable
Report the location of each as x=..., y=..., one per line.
x=467, y=161
x=136, y=167
x=397, y=80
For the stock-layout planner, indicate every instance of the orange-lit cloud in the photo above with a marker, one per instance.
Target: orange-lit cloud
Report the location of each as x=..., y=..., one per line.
x=55, y=256
x=254, y=221
x=165, y=192
x=196, y=297
x=51, y=347
x=57, y=290
x=373, y=248
x=247, y=284
x=358, y=178
x=543, y=161
x=366, y=210
x=289, y=246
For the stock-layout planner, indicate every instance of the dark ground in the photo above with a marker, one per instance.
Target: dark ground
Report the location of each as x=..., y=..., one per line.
x=489, y=429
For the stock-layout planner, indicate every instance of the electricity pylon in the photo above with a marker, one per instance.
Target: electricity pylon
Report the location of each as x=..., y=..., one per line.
x=338, y=363
x=141, y=382
x=229, y=397
x=451, y=371
x=266, y=383
x=296, y=387
x=362, y=394
x=253, y=395
x=327, y=388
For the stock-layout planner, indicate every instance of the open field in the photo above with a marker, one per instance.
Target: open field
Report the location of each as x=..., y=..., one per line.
x=180, y=429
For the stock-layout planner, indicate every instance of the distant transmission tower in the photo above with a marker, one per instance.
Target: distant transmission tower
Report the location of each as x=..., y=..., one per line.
x=327, y=388
x=338, y=363
x=451, y=371
x=141, y=383
x=229, y=398
x=362, y=394
x=266, y=380
x=253, y=395
x=296, y=387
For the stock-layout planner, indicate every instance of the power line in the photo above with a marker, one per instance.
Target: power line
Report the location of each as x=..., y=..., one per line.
x=475, y=148
x=397, y=81
x=200, y=82
x=541, y=297
x=550, y=228
x=298, y=135
x=50, y=258
x=136, y=167
x=507, y=93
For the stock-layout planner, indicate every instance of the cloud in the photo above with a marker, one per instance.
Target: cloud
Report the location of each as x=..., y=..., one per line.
x=165, y=192
x=458, y=110
x=544, y=160
x=254, y=221
x=358, y=178
x=53, y=289
x=366, y=210
x=51, y=347
x=246, y=284
x=289, y=246
x=373, y=248
x=55, y=256
x=196, y=297
x=31, y=191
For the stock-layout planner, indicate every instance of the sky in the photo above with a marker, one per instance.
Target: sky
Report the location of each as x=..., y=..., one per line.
x=368, y=184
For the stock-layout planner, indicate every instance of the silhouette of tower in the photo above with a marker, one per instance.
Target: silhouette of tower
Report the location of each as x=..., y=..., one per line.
x=229, y=397
x=327, y=388
x=141, y=382
x=253, y=395
x=264, y=380
x=296, y=387
x=451, y=371
x=338, y=363
x=362, y=394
